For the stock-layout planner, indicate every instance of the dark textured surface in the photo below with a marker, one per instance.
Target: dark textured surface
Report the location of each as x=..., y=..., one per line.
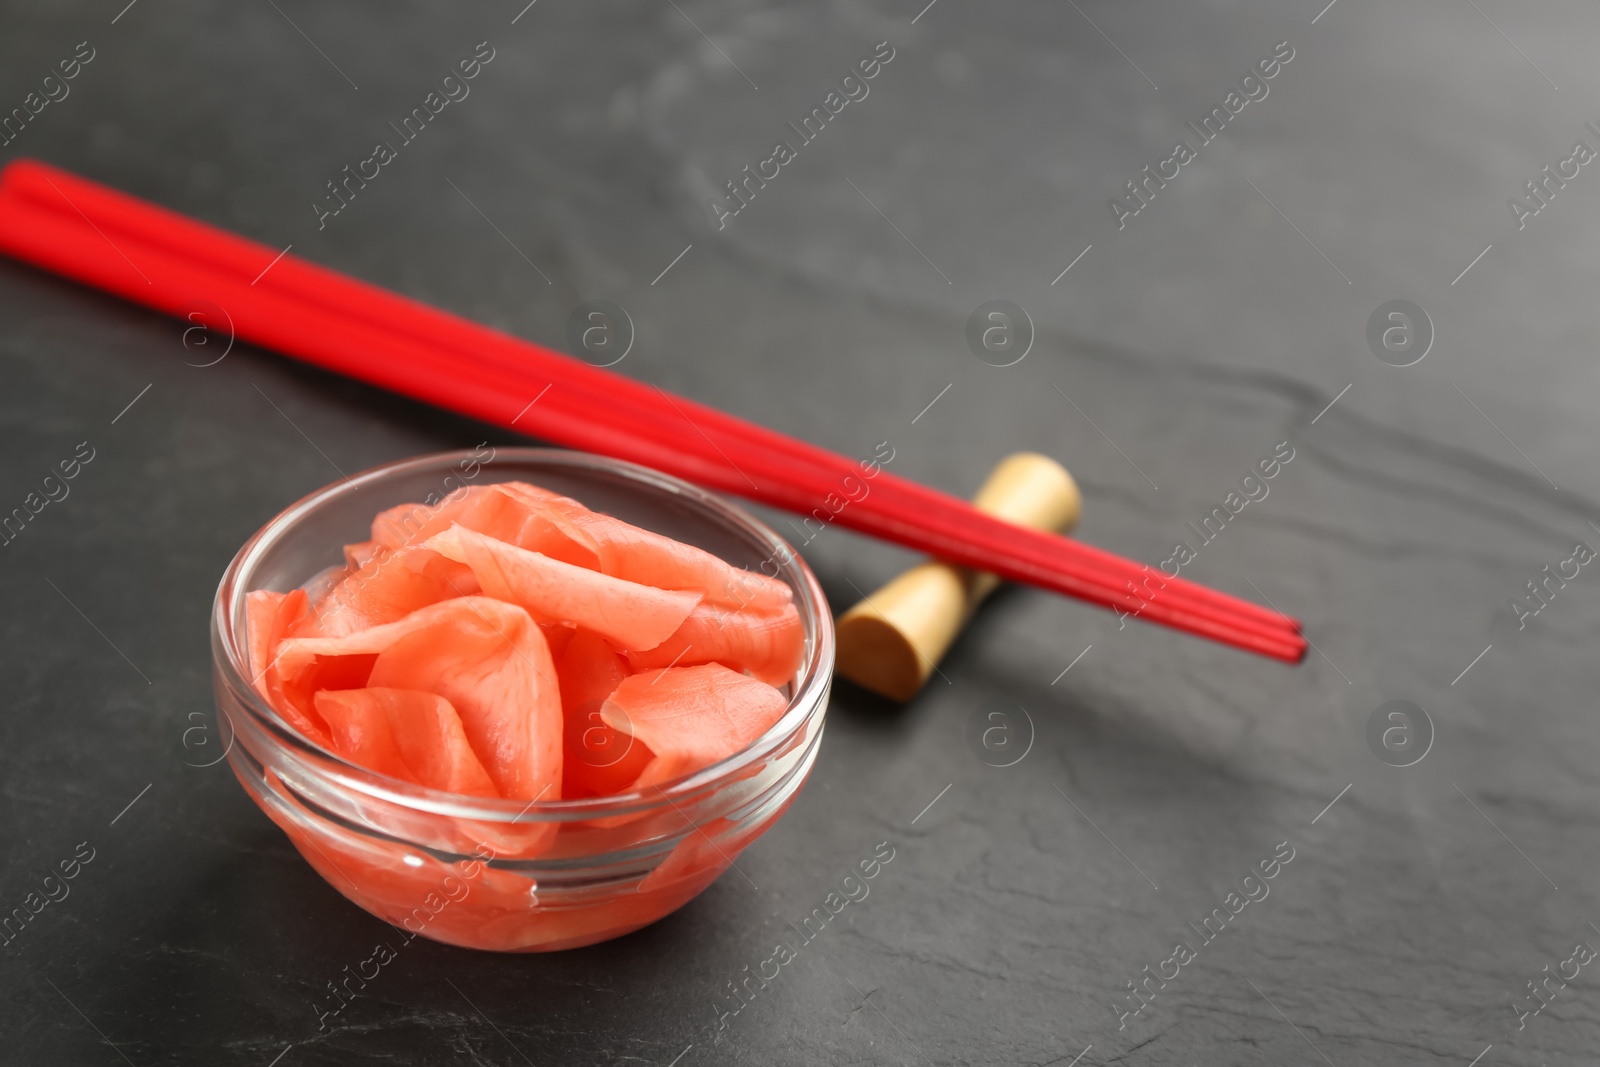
x=1198, y=338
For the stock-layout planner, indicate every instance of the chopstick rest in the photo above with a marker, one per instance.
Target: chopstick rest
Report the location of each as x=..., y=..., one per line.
x=892, y=641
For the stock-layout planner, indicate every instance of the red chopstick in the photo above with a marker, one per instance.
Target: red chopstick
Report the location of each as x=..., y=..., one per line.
x=271, y=320
x=111, y=211
x=170, y=283
x=264, y=317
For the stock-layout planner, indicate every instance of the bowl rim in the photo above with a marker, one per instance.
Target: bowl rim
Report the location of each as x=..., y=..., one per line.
x=229, y=636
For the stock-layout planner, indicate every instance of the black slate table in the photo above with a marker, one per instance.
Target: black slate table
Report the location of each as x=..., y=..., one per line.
x=1174, y=348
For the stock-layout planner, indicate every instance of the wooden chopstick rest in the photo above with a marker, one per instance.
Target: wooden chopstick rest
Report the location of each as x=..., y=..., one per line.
x=891, y=641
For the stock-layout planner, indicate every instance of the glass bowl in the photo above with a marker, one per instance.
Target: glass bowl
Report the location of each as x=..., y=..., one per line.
x=501, y=874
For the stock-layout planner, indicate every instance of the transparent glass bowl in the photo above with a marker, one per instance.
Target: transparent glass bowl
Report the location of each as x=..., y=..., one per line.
x=505, y=874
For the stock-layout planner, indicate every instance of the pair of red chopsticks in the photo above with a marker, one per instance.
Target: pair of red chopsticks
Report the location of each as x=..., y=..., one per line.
x=163, y=260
